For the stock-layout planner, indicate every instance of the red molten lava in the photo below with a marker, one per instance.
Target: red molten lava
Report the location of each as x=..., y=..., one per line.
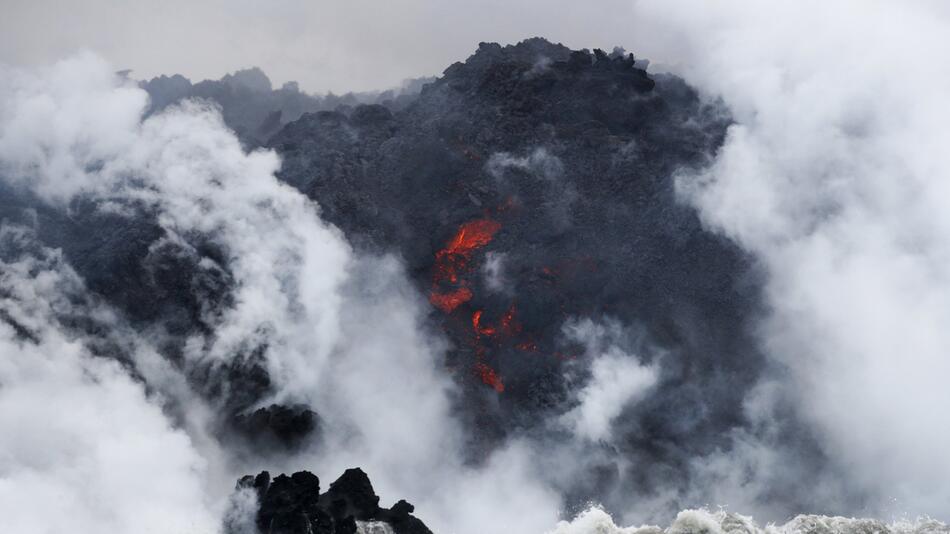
x=450, y=288
x=447, y=302
x=452, y=261
x=489, y=376
x=479, y=329
x=510, y=325
x=472, y=235
x=491, y=336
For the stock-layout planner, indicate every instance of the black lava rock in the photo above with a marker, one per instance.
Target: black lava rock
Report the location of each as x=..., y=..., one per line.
x=286, y=426
x=354, y=493
x=294, y=505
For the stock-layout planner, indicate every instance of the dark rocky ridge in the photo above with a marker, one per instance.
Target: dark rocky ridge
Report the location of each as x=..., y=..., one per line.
x=294, y=505
x=278, y=426
x=254, y=109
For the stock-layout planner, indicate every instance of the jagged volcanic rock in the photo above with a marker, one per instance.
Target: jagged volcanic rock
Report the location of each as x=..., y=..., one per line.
x=278, y=425
x=294, y=505
x=254, y=109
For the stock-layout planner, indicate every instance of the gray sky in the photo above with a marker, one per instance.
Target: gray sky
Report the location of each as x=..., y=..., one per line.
x=336, y=45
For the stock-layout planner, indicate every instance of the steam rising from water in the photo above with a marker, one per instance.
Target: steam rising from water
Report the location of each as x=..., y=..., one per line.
x=596, y=521
x=836, y=179
x=84, y=448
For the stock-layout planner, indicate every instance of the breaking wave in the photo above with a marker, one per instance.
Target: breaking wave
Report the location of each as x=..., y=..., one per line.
x=702, y=521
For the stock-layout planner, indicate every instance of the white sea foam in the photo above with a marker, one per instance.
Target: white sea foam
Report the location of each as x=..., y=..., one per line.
x=595, y=520
x=373, y=527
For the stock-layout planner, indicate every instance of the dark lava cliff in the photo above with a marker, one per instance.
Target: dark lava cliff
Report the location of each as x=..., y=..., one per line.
x=532, y=184
x=526, y=187
x=294, y=505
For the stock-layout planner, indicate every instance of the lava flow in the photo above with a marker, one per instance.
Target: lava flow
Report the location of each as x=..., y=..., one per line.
x=479, y=329
x=489, y=376
x=508, y=326
x=454, y=260
x=450, y=288
x=447, y=302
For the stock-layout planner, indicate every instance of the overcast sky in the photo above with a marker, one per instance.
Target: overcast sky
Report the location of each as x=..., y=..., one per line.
x=336, y=45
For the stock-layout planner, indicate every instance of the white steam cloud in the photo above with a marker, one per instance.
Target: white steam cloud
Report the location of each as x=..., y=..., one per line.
x=836, y=176
x=84, y=449
x=617, y=380
x=343, y=333
x=538, y=170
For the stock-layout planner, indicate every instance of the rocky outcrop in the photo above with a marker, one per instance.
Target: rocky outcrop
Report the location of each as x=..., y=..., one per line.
x=294, y=505
x=255, y=110
x=278, y=426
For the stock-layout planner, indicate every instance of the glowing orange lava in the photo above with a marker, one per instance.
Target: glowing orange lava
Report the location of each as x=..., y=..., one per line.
x=450, y=289
x=447, y=302
x=509, y=324
x=452, y=261
x=490, y=334
x=489, y=377
x=479, y=329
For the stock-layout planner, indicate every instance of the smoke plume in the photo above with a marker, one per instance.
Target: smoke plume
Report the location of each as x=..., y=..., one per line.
x=833, y=177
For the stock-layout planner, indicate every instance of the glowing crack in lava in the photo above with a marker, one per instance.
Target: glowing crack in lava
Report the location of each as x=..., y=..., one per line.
x=479, y=329
x=455, y=260
x=447, y=302
x=510, y=325
x=489, y=376
x=450, y=287
x=507, y=327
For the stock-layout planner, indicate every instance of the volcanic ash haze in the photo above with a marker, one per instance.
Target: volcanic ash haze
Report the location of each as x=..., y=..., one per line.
x=545, y=291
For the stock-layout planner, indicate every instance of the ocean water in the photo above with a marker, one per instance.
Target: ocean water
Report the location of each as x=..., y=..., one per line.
x=597, y=521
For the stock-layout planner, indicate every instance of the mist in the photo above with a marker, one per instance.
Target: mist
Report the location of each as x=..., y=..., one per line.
x=833, y=178
x=327, y=46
